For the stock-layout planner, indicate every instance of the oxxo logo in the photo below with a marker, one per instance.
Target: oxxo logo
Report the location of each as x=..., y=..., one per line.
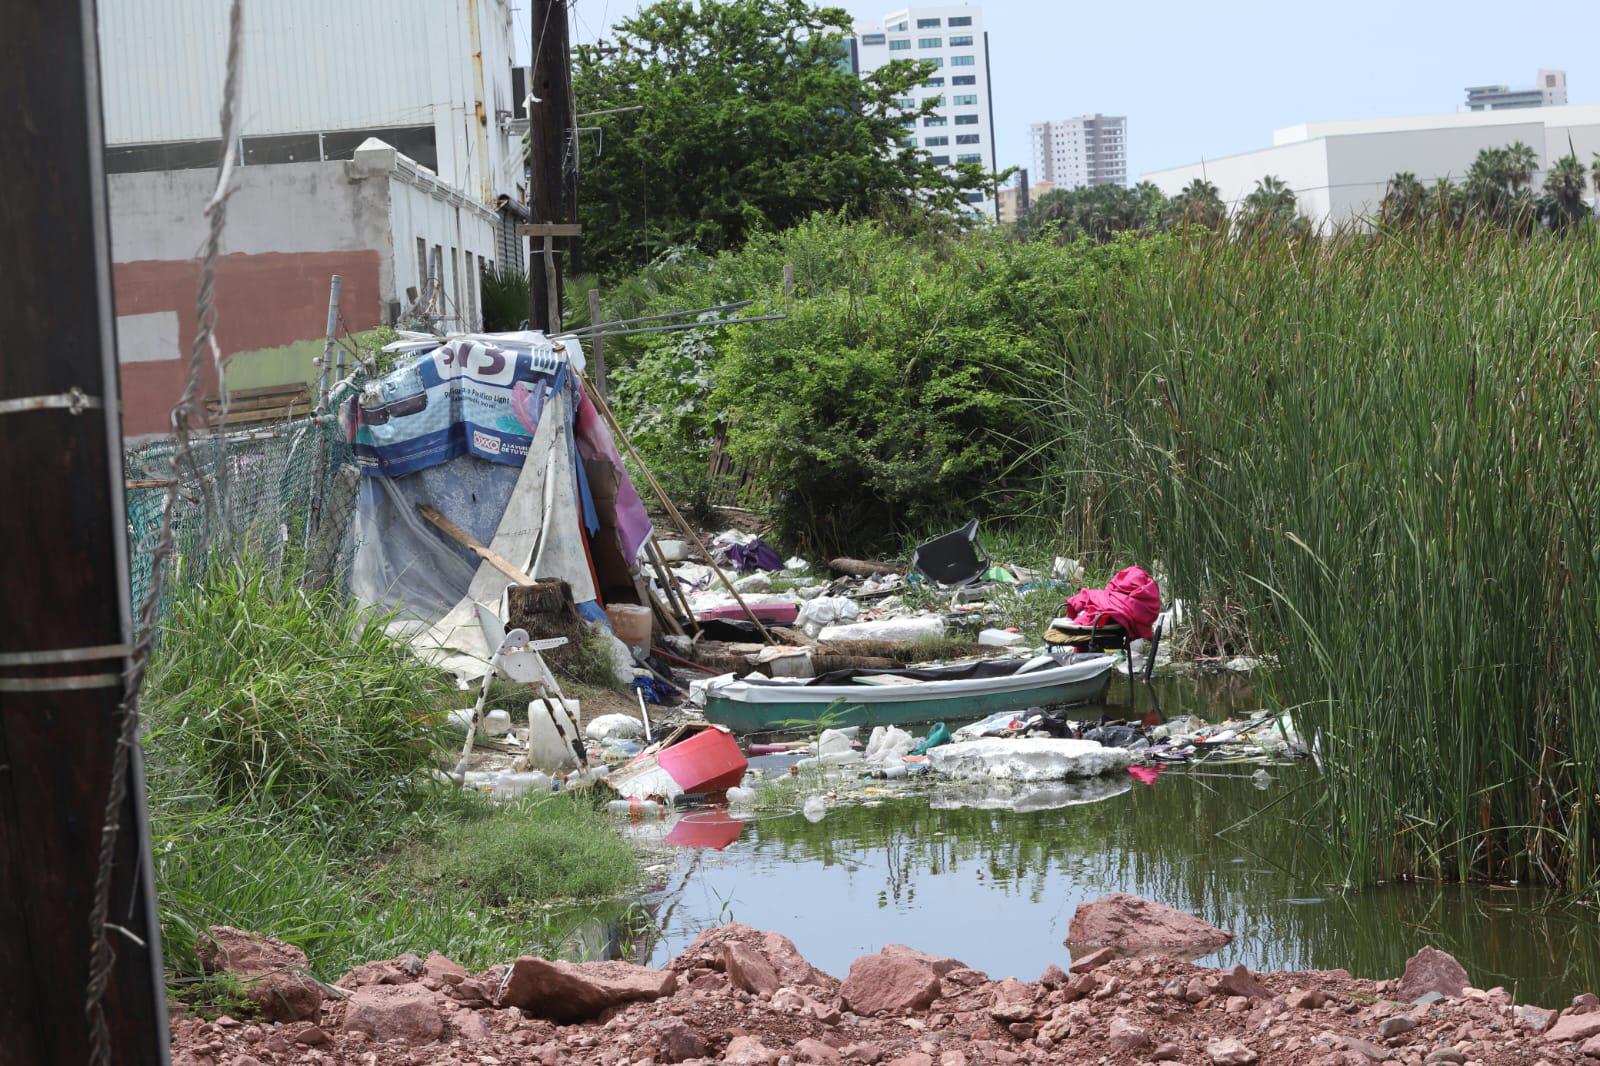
x=485, y=442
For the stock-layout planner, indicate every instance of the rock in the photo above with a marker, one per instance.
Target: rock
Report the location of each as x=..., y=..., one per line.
x=1078, y=986
x=1237, y=1004
x=953, y=1058
x=1197, y=990
x=575, y=991
x=916, y=1058
x=1445, y=1055
x=408, y=1013
x=1586, y=1003
x=748, y=1051
x=810, y=1050
x=1053, y=977
x=748, y=969
x=472, y=992
x=1364, y=1048
x=675, y=1041
x=1591, y=1047
x=1239, y=981
x=865, y=1051
x=1431, y=970
x=1168, y=1052
x=375, y=973
x=1020, y=1030
x=1571, y=1027
x=1306, y=998
x=1011, y=1010
x=890, y=984
x=1128, y=922
x=1027, y=759
x=941, y=966
x=779, y=951
x=471, y=1026
x=1229, y=1052
x=1092, y=961
x=275, y=976
x=442, y=970
x=1396, y=1025
x=1535, y=1020
x=1124, y=1036
x=311, y=1036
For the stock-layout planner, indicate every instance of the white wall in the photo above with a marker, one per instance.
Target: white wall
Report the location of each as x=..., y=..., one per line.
x=319, y=65
x=1303, y=166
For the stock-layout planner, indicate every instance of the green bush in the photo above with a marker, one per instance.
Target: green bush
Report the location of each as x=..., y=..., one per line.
x=897, y=394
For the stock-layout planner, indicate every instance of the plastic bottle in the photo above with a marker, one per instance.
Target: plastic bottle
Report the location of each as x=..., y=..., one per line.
x=511, y=785
x=636, y=808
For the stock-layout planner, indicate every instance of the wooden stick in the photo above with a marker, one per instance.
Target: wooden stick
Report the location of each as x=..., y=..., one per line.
x=672, y=510
x=466, y=540
x=669, y=582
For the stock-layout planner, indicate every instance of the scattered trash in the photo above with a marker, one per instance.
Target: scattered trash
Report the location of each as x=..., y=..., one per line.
x=815, y=809
x=695, y=758
x=760, y=581
x=1261, y=779
x=953, y=559
x=1028, y=759
x=496, y=723
x=633, y=808
x=923, y=627
x=822, y=611
x=1000, y=638
x=673, y=551
x=619, y=726
x=937, y=736
x=889, y=744
x=1144, y=774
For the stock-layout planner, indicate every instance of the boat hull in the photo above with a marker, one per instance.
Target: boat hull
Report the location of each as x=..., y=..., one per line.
x=751, y=709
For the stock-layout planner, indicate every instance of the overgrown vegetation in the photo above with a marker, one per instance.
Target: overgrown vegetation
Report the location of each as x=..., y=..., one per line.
x=1372, y=452
x=289, y=742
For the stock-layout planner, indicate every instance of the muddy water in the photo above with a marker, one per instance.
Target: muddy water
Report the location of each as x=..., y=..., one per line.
x=993, y=879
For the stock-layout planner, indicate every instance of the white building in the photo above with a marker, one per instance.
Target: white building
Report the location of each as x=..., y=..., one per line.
x=1086, y=150
x=1339, y=171
x=1549, y=89
x=952, y=38
x=427, y=206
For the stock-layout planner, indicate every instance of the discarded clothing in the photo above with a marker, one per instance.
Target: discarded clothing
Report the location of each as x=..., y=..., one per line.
x=1131, y=599
x=753, y=555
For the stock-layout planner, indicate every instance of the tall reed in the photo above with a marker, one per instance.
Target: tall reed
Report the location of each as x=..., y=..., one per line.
x=1386, y=451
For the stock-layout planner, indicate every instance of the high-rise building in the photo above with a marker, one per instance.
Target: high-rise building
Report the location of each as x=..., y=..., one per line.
x=1087, y=150
x=960, y=128
x=1549, y=90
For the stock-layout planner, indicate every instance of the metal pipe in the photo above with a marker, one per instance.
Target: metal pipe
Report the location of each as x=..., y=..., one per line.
x=670, y=314
x=685, y=325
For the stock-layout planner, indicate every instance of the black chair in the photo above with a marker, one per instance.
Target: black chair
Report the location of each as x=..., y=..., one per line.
x=1111, y=636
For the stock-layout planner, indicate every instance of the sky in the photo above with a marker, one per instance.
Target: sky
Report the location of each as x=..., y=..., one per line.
x=1202, y=80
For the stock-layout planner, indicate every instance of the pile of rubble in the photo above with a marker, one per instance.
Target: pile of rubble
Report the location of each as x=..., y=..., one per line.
x=745, y=997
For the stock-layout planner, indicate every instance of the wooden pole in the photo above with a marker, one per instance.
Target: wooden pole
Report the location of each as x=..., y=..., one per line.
x=598, y=352
x=551, y=199
x=64, y=590
x=672, y=510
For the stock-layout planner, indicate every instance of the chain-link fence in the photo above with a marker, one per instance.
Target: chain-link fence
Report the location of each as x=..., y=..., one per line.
x=282, y=495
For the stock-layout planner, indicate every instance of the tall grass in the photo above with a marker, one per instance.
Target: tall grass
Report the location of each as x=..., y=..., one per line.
x=288, y=741
x=1384, y=451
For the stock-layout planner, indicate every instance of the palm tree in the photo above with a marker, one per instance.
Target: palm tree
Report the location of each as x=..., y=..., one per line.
x=1521, y=162
x=1404, y=201
x=1198, y=204
x=1563, y=205
x=1270, y=207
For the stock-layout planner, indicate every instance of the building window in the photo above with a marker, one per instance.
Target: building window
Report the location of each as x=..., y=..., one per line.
x=972, y=157
x=967, y=101
x=972, y=197
x=928, y=24
x=905, y=102
x=422, y=265
x=942, y=160
x=901, y=45
x=899, y=26
x=963, y=61
x=964, y=79
x=966, y=120
x=962, y=41
x=1550, y=81
x=936, y=142
x=930, y=42
x=933, y=120
x=873, y=38
x=967, y=138
x=471, y=278
x=959, y=20
x=933, y=83
x=935, y=61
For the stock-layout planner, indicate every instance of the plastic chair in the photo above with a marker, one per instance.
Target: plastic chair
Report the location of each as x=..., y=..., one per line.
x=954, y=558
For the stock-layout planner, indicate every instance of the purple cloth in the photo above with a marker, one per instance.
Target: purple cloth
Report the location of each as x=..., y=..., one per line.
x=757, y=555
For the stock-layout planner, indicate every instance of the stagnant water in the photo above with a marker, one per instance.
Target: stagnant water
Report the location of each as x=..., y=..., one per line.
x=996, y=888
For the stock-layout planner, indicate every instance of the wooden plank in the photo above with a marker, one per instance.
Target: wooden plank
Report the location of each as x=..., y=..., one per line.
x=269, y=390
x=550, y=229
x=466, y=540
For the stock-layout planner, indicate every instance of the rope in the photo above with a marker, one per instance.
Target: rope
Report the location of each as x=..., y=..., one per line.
x=102, y=958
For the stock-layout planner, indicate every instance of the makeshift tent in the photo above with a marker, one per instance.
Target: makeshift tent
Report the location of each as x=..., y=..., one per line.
x=496, y=433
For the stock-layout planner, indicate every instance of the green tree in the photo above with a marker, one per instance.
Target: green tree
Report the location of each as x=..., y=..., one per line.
x=1271, y=208
x=1405, y=201
x=1199, y=203
x=741, y=116
x=1098, y=212
x=1564, y=205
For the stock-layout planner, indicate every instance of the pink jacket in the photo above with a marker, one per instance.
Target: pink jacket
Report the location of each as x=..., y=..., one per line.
x=1131, y=599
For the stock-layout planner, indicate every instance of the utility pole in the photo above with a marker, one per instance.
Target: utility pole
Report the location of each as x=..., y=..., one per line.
x=553, y=175
x=64, y=589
